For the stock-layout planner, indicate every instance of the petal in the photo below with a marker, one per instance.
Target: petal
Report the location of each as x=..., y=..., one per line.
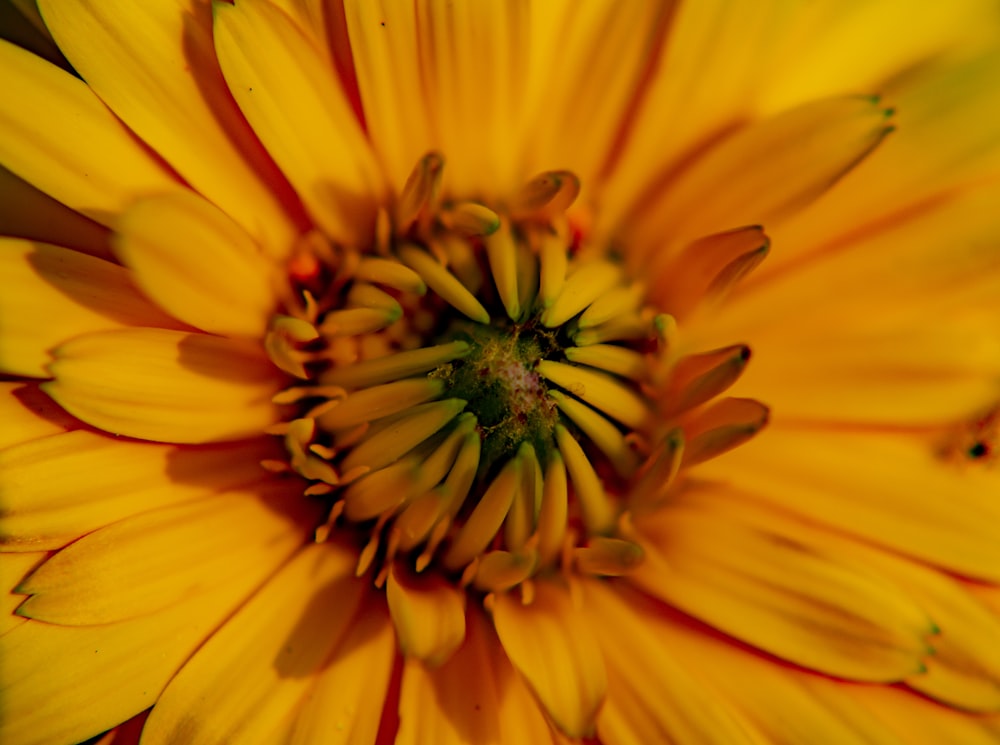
x=166, y=386
x=785, y=705
x=197, y=264
x=154, y=65
x=68, y=683
x=385, y=47
x=12, y=568
x=52, y=294
x=551, y=646
x=473, y=697
x=886, y=489
x=428, y=613
x=146, y=563
x=289, y=95
x=27, y=212
x=917, y=721
x=292, y=624
x=55, y=489
x=782, y=596
x=652, y=698
x=760, y=172
x=344, y=706
x=57, y=135
x=27, y=414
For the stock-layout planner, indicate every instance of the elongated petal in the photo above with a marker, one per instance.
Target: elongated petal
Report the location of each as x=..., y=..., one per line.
x=651, y=697
x=292, y=624
x=197, y=264
x=290, y=96
x=145, y=563
x=345, y=704
x=474, y=697
x=893, y=491
x=785, y=705
x=166, y=386
x=108, y=672
x=94, y=166
x=27, y=414
x=917, y=721
x=552, y=647
x=14, y=566
x=153, y=64
x=776, y=594
x=52, y=294
x=764, y=170
x=57, y=488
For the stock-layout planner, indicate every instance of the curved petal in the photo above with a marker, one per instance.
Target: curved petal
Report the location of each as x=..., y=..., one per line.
x=651, y=697
x=782, y=596
x=428, y=614
x=56, y=134
x=55, y=489
x=28, y=414
x=69, y=683
x=146, y=563
x=28, y=212
x=552, y=647
x=294, y=103
x=917, y=721
x=197, y=264
x=890, y=490
x=154, y=65
x=292, y=624
x=53, y=294
x=476, y=696
x=345, y=704
x=166, y=386
x=14, y=566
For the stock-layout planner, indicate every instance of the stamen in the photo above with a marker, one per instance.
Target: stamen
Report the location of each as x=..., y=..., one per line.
x=581, y=288
x=723, y=426
x=554, y=262
x=470, y=219
x=486, y=518
x=420, y=190
x=502, y=254
x=390, y=274
x=546, y=195
x=601, y=432
x=597, y=509
x=381, y=400
x=554, y=510
x=357, y=321
x=621, y=361
x=396, y=366
x=700, y=377
x=620, y=302
x=607, y=557
x=444, y=283
x=599, y=390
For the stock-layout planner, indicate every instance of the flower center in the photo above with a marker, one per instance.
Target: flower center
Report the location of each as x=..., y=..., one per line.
x=478, y=390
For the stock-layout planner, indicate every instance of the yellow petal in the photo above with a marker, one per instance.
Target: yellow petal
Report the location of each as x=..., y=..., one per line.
x=770, y=591
x=166, y=386
x=52, y=294
x=69, y=683
x=154, y=65
x=475, y=697
x=289, y=95
x=55, y=489
x=651, y=697
x=27, y=212
x=56, y=134
x=345, y=704
x=763, y=171
x=14, y=566
x=384, y=45
x=27, y=414
x=917, y=721
x=145, y=563
x=428, y=613
x=291, y=624
x=787, y=706
x=890, y=490
x=197, y=264
x=551, y=646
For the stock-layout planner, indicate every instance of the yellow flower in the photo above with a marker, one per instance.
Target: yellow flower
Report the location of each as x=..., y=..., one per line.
x=379, y=371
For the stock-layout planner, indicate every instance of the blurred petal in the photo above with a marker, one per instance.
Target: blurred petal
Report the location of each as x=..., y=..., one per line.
x=153, y=64
x=197, y=264
x=53, y=294
x=549, y=643
x=27, y=414
x=166, y=386
x=295, y=105
x=291, y=624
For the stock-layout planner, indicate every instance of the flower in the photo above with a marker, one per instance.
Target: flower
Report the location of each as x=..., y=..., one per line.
x=381, y=372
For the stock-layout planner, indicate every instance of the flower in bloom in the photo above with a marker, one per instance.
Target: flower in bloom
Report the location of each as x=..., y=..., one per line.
x=380, y=372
